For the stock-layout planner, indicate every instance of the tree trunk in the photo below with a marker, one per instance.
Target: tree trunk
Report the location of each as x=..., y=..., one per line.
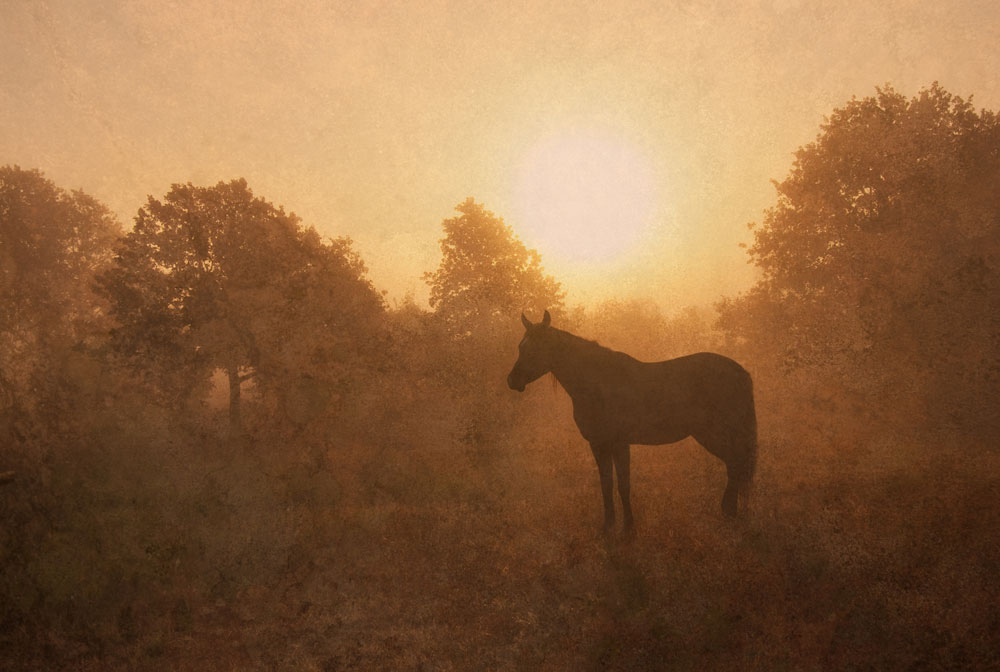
x=235, y=418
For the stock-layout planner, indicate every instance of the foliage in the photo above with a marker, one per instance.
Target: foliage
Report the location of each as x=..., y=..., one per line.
x=53, y=378
x=215, y=278
x=487, y=276
x=881, y=256
x=52, y=244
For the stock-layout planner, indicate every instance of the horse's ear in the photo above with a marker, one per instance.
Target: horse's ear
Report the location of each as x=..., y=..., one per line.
x=525, y=322
x=546, y=319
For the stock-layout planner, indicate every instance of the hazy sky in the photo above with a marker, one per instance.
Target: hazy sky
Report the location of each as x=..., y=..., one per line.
x=375, y=119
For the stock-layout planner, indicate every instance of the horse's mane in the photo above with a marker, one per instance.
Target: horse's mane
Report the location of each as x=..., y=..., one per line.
x=583, y=346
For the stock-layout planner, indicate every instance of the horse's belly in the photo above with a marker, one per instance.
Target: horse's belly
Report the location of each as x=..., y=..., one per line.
x=658, y=438
x=630, y=428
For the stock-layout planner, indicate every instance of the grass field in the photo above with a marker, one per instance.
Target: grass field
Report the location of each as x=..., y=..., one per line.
x=410, y=554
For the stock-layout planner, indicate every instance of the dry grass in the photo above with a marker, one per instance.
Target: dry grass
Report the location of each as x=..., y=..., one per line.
x=445, y=556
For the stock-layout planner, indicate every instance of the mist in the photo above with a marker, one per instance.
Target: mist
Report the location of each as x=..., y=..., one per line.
x=270, y=282
x=224, y=447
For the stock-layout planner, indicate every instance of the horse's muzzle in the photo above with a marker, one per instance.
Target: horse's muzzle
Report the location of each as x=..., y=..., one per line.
x=515, y=385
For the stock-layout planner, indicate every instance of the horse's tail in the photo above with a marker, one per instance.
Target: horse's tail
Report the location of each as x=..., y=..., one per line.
x=748, y=460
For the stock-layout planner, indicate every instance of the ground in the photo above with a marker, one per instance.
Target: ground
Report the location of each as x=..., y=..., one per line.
x=477, y=557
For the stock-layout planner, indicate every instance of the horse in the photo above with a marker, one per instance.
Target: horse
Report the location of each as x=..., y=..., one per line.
x=619, y=401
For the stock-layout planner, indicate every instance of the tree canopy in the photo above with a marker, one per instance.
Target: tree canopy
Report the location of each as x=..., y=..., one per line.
x=882, y=252
x=52, y=244
x=216, y=278
x=487, y=276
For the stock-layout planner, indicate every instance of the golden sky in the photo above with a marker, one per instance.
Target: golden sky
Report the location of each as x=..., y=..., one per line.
x=374, y=119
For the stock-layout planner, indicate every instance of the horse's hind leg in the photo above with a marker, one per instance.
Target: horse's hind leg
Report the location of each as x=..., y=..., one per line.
x=621, y=459
x=717, y=445
x=730, y=497
x=605, y=466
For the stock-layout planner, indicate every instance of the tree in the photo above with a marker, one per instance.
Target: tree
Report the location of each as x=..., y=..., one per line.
x=52, y=244
x=486, y=278
x=215, y=278
x=881, y=256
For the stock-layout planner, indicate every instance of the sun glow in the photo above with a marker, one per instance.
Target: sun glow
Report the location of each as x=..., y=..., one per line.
x=584, y=197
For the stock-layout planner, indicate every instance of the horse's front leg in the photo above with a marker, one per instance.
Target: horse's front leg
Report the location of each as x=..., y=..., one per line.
x=621, y=459
x=603, y=455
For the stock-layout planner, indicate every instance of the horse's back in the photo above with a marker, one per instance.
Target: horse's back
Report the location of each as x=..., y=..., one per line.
x=701, y=363
x=704, y=377
x=663, y=402
x=719, y=394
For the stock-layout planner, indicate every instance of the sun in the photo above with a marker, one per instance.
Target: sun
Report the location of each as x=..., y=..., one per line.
x=584, y=196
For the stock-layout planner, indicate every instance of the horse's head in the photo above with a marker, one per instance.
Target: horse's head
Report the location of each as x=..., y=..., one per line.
x=534, y=358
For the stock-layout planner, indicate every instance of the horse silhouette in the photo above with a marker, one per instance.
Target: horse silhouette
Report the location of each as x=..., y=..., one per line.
x=619, y=401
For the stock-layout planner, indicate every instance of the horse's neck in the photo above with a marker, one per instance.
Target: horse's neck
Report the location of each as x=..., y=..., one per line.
x=575, y=365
